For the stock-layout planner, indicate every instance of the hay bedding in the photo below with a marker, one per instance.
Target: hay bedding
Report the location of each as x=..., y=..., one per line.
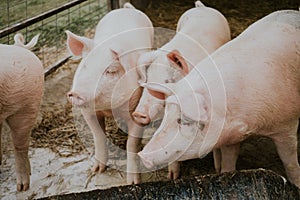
x=58, y=133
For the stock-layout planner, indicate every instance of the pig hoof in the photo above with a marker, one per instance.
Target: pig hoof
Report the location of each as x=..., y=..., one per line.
x=22, y=186
x=99, y=167
x=23, y=182
x=133, y=178
x=173, y=175
x=174, y=170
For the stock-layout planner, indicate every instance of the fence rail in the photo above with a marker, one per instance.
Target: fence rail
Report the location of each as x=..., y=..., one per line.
x=79, y=16
x=19, y=26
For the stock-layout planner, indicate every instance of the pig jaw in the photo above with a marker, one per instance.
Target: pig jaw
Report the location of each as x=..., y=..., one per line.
x=167, y=146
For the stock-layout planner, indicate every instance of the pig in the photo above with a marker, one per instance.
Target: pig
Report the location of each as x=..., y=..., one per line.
x=21, y=90
x=106, y=82
x=200, y=31
x=249, y=86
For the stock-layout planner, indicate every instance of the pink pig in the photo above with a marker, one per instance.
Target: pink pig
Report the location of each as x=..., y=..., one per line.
x=200, y=31
x=250, y=86
x=21, y=89
x=106, y=82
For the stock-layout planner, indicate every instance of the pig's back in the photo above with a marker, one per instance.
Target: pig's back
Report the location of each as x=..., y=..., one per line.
x=204, y=28
x=274, y=26
x=21, y=78
x=291, y=17
x=206, y=20
x=262, y=70
x=259, y=71
x=120, y=20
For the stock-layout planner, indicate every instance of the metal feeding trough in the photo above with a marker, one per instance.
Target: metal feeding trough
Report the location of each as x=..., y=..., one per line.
x=245, y=184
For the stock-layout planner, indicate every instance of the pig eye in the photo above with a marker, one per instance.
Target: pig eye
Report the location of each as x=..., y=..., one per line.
x=112, y=70
x=200, y=126
x=184, y=121
x=171, y=80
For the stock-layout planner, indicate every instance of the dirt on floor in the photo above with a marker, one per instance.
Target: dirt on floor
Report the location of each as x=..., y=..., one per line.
x=61, y=151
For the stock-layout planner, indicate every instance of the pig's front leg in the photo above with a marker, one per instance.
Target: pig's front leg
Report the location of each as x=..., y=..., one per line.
x=286, y=144
x=229, y=156
x=174, y=170
x=21, y=125
x=96, y=124
x=133, y=146
x=225, y=158
x=217, y=159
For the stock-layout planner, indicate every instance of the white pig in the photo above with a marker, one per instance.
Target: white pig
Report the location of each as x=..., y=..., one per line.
x=106, y=83
x=21, y=89
x=200, y=31
x=250, y=86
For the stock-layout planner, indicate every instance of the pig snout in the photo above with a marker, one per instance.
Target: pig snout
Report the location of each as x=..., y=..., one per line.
x=141, y=118
x=144, y=114
x=75, y=99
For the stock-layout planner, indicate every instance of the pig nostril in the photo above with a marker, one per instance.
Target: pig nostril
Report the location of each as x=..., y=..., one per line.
x=69, y=96
x=141, y=118
x=75, y=98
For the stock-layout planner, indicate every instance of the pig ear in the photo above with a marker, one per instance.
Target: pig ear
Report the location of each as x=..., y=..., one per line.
x=126, y=60
x=78, y=46
x=160, y=91
x=144, y=60
x=176, y=58
x=193, y=106
x=115, y=55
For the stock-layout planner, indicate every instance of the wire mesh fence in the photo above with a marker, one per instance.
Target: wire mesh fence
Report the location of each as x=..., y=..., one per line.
x=50, y=19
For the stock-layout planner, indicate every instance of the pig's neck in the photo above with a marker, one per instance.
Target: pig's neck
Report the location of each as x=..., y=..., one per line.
x=225, y=126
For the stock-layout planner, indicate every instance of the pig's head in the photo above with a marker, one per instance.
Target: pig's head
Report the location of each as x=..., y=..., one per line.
x=157, y=67
x=104, y=73
x=182, y=130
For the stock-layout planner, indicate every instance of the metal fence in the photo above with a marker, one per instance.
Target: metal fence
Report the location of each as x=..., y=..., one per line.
x=50, y=19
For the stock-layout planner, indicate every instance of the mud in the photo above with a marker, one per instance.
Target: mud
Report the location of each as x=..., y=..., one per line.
x=61, y=151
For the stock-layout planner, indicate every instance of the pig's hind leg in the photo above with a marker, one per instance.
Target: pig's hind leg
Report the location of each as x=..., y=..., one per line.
x=286, y=144
x=217, y=159
x=229, y=156
x=21, y=124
